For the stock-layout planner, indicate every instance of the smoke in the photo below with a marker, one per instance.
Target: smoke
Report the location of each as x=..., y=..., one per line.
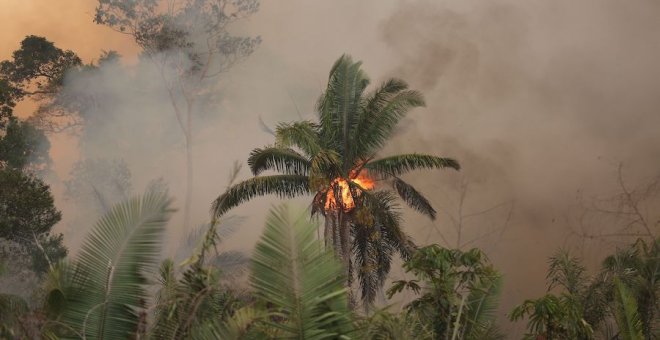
x=538, y=100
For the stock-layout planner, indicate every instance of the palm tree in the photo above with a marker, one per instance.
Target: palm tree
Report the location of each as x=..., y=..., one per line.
x=637, y=267
x=573, y=314
x=334, y=160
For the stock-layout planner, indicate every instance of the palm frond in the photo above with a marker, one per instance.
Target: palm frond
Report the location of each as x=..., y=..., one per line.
x=284, y=160
x=401, y=164
x=339, y=105
x=373, y=259
x=482, y=303
x=167, y=302
x=108, y=285
x=383, y=112
x=383, y=209
x=291, y=272
x=302, y=134
x=325, y=166
x=566, y=271
x=282, y=185
x=626, y=313
x=414, y=198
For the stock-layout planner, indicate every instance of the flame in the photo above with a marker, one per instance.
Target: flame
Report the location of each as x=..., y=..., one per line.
x=347, y=200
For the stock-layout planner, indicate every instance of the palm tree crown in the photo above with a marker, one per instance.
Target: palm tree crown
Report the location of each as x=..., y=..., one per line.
x=334, y=160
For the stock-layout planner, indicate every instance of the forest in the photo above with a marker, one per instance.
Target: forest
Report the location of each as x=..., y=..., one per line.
x=192, y=169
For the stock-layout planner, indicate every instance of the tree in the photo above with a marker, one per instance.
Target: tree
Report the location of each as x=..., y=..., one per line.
x=24, y=147
x=27, y=215
x=9, y=96
x=459, y=293
x=190, y=44
x=37, y=70
x=26, y=207
x=334, y=160
x=97, y=184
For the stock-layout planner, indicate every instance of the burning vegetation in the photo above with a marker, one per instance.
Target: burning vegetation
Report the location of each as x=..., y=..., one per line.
x=339, y=193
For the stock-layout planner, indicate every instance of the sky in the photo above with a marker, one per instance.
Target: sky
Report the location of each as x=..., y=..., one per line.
x=540, y=101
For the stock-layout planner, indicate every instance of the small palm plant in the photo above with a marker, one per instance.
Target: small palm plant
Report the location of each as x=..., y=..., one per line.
x=334, y=160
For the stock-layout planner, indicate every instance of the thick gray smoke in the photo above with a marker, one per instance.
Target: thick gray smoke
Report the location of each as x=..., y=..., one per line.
x=538, y=100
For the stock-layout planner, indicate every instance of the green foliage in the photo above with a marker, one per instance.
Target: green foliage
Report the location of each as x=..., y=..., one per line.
x=51, y=250
x=626, y=313
x=36, y=70
x=572, y=314
x=12, y=309
x=196, y=302
x=638, y=268
x=24, y=147
x=459, y=292
x=26, y=207
x=38, y=63
x=103, y=289
x=383, y=325
x=300, y=282
x=625, y=289
x=282, y=185
x=9, y=96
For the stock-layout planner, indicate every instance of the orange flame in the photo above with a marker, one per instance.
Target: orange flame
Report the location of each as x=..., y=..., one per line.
x=347, y=200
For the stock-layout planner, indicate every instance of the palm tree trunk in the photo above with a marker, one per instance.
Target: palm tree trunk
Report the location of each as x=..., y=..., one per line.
x=336, y=231
x=328, y=231
x=345, y=248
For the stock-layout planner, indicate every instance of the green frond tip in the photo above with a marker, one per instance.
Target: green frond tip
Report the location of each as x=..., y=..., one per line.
x=302, y=135
x=414, y=198
x=401, y=164
x=288, y=186
x=284, y=160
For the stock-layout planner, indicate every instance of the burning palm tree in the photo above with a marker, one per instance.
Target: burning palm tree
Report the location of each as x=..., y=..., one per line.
x=334, y=160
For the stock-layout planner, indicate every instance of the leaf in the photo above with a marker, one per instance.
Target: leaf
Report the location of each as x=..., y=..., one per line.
x=414, y=198
x=401, y=164
x=284, y=160
x=291, y=272
x=482, y=303
x=108, y=275
x=626, y=313
x=282, y=185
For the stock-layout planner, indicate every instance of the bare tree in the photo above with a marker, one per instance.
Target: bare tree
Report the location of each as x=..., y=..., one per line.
x=619, y=218
x=472, y=226
x=188, y=41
